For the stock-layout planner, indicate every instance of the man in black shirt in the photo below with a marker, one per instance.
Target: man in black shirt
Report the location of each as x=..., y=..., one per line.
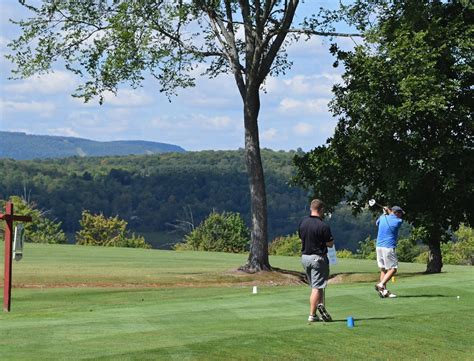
x=315, y=238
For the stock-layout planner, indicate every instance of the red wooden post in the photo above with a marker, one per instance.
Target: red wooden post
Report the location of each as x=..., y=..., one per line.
x=7, y=281
x=8, y=217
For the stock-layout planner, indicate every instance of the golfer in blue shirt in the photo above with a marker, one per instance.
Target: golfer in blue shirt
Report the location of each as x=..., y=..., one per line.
x=388, y=225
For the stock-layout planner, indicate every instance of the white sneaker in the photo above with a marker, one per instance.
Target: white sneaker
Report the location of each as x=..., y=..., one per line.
x=313, y=318
x=387, y=294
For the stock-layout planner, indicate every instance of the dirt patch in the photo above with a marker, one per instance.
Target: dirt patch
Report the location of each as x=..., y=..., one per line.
x=230, y=278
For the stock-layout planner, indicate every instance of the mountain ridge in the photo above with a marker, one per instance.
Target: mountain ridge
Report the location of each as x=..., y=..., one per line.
x=23, y=146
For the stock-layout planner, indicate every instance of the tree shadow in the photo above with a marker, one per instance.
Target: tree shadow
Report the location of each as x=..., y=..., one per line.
x=301, y=276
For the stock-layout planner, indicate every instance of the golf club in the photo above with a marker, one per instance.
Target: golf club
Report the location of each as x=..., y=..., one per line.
x=372, y=202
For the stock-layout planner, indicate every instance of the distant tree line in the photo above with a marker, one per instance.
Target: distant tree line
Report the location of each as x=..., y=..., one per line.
x=155, y=192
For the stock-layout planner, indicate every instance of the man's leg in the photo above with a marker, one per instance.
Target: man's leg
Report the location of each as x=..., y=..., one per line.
x=314, y=300
x=383, y=272
x=388, y=275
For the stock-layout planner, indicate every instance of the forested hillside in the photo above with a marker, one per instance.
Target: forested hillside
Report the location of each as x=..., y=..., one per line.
x=156, y=191
x=23, y=146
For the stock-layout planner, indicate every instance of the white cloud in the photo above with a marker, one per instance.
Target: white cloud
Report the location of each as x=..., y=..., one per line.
x=194, y=123
x=161, y=123
x=303, y=129
x=216, y=122
x=43, y=109
x=310, y=48
x=311, y=106
x=84, y=119
x=120, y=113
x=269, y=134
x=52, y=83
x=3, y=41
x=128, y=98
x=67, y=132
x=311, y=85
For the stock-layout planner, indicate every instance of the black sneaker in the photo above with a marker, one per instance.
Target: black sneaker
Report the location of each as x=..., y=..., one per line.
x=325, y=316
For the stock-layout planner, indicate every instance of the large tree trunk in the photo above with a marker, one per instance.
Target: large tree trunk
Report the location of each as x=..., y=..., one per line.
x=258, y=256
x=435, y=261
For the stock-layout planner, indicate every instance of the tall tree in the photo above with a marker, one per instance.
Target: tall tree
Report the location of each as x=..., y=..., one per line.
x=405, y=130
x=110, y=42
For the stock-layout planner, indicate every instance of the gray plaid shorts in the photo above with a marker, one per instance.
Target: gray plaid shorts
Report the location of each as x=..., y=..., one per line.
x=317, y=269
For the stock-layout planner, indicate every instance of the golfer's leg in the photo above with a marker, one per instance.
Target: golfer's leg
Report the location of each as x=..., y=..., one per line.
x=314, y=300
x=383, y=271
x=388, y=275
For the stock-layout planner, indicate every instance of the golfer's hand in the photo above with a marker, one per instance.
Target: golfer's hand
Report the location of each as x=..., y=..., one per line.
x=386, y=210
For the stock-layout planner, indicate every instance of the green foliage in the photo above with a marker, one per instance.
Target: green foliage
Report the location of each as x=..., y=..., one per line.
x=289, y=245
x=152, y=192
x=98, y=230
x=366, y=249
x=219, y=232
x=41, y=229
x=405, y=110
x=344, y=253
x=461, y=249
x=408, y=250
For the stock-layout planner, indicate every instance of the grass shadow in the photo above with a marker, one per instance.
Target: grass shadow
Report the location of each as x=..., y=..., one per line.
x=365, y=319
x=301, y=276
x=421, y=296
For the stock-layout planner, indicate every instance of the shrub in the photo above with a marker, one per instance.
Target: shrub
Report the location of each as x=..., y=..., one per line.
x=366, y=249
x=219, y=232
x=98, y=230
x=344, y=253
x=422, y=257
x=41, y=229
x=408, y=250
x=289, y=245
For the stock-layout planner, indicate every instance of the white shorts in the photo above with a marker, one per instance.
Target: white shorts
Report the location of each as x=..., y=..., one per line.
x=386, y=258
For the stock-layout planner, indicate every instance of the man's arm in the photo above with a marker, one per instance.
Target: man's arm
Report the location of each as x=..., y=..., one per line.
x=329, y=239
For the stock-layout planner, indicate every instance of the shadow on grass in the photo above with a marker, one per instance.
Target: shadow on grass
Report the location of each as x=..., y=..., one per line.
x=363, y=319
x=422, y=296
x=301, y=276
x=351, y=277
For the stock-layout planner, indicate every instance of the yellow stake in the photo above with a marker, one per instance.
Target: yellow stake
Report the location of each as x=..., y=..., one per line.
x=393, y=279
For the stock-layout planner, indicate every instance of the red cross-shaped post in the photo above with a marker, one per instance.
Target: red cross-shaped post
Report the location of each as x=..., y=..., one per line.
x=9, y=217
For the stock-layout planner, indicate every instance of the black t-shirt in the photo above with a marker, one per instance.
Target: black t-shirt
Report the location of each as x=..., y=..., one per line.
x=314, y=235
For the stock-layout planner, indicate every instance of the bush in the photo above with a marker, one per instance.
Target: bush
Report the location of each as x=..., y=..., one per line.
x=285, y=246
x=98, y=230
x=458, y=251
x=41, y=229
x=219, y=232
x=461, y=250
x=366, y=249
x=344, y=253
x=408, y=250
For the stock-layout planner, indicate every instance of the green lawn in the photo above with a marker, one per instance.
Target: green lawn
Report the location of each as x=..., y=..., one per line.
x=72, y=302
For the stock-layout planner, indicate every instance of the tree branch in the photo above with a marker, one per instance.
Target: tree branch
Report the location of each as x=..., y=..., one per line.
x=323, y=33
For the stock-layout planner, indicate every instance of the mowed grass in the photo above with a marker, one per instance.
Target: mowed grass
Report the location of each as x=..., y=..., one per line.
x=72, y=302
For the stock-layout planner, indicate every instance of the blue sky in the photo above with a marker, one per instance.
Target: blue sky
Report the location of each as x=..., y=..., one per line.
x=293, y=114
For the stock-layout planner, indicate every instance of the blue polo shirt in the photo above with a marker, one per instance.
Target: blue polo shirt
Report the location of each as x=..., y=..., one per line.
x=388, y=230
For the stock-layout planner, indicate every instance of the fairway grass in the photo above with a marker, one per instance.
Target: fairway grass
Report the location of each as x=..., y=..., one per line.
x=72, y=302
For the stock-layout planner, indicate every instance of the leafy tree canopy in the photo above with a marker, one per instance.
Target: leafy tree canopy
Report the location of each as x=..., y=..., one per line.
x=41, y=229
x=405, y=130
x=98, y=230
x=113, y=42
x=219, y=232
